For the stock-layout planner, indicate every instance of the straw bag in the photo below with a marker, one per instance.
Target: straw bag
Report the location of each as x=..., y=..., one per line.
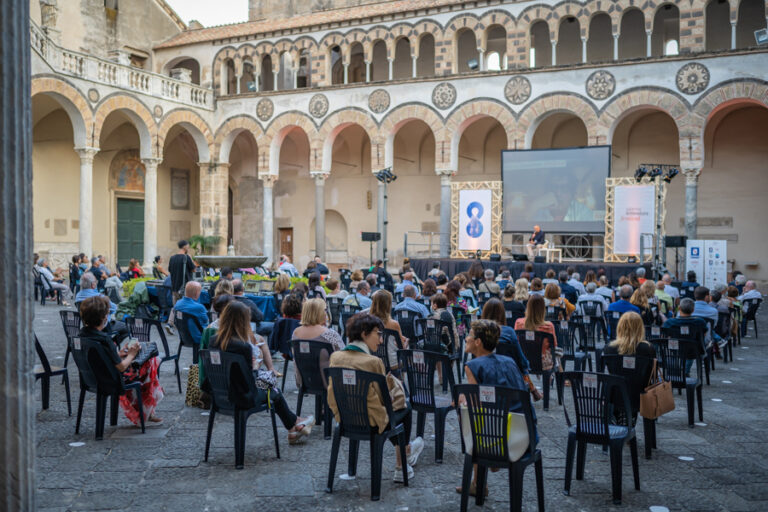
x=657, y=398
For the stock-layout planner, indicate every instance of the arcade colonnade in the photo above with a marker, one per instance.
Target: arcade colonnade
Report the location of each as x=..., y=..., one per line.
x=293, y=146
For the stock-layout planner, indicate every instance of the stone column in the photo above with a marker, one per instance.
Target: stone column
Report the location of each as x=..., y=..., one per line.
x=86, y=199
x=320, y=177
x=274, y=80
x=554, y=53
x=214, y=203
x=17, y=434
x=414, y=66
x=267, y=219
x=691, y=200
x=445, y=212
x=238, y=78
x=346, y=74
x=615, y=46
x=367, y=71
x=295, y=78
x=733, y=35
x=150, y=209
x=391, y=68
x=648, y=34
x=584, y=49
x=381, y=218
x=480, y=59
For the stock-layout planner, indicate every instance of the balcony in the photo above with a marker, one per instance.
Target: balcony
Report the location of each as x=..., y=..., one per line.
x=106, y=72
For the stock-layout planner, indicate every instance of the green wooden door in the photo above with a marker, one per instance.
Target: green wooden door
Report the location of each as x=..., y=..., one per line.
x=130, y=231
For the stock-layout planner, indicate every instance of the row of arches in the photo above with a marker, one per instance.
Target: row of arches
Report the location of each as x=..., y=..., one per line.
x=567, y=34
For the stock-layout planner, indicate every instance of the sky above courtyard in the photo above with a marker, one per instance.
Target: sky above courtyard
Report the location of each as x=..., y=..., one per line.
x=210, y=13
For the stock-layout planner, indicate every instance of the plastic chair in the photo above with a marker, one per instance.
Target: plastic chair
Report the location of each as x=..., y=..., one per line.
x=723, y=329
x=98, y=375
x=347, y=312
x=555, y=314
x=406, y=320
x=696, y=335
x=512, y=314
x=163, y=301
x=611, y=323
x=350, y=390
x=420, y=367
x=140, y=328
x=280, y=339
x=489, y=422
x=751, y=314
x=588, y=329
x=437, y=336
x=220, y=371
x=531, y=342
x=565, y=332
x=636, y=371
x=185, y=335
x=72, y=324
x=334, y=308
x=673, y=355
x=390, y=337
x=593, y=395
x=482, y=298
x=45, y=371
x=308, y=356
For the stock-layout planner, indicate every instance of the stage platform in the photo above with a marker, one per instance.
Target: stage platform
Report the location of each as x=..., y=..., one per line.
x=451, y=267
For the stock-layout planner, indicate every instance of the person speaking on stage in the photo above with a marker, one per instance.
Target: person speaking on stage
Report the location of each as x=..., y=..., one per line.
x=536, y=240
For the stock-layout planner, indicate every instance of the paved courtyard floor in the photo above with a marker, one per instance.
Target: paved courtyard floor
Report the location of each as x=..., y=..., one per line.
x=719, y=466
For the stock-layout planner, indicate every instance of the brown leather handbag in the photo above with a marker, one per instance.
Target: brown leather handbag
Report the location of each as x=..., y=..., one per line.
x=657, y=398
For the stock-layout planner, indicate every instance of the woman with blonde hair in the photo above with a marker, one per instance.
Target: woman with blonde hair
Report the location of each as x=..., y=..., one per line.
x=223, y=288
x=381, y=307
x=640, y=300
x=313, y=325
x=521, y=289
x=283, y=283
x=552, y=298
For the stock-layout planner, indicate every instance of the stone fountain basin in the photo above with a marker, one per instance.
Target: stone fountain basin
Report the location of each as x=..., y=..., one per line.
x=230, y=261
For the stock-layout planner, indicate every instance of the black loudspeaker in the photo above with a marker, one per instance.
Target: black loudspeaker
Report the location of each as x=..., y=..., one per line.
x=675, y=241
x=370, y=236
x=520, y=257
x=539, y=259
x=495, y=257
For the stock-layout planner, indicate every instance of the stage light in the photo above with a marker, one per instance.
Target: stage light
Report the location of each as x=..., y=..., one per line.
x=385, y=175
x=473, y=64
x=671, y=174
x=654, y=172
x=640, y=173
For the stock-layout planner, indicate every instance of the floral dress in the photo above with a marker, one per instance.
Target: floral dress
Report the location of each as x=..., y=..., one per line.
x=151, y=391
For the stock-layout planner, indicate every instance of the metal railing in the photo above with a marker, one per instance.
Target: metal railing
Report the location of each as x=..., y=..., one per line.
x=81, y=65
x=422, y=244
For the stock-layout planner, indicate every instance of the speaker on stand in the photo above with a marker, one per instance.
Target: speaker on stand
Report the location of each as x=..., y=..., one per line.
x=677, y=242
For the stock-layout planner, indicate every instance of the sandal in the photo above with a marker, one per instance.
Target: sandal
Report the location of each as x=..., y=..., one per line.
x=472, y=490
x=306, y=428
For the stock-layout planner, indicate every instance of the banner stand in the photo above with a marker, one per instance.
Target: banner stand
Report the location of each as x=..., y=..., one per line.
x=476, y=211
x=633, y=209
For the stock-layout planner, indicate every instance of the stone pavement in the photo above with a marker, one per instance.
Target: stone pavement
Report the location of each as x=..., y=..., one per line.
x=164, y=469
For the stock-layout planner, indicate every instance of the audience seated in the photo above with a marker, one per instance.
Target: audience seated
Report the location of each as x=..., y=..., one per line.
x=534, y=320
x=750, y=292
x=189, y=304
x=239, y=290
x=605, y=290
x=407, y=281
x=574, y=279
x=313, y=325
x=537, y=287
x=549, y=277
x=356, y=277
x=511, y=302
x=158, y=271
x=640, y=300
x=235, y=336
x=365, y=335
x=94, y=312
x=429, y=288
x=313, y=284
x=521, y=290
x=287, y=267
x=409, y=303
x=334, y=289
x=552, y=298
x=592, y=295
x=381, y=305
x=665, y=300
x=440, y=311
x=567, y=287
x=623, y=304
x=360, y=297
x=53, y=281
x=489, y=285
x=702, y=308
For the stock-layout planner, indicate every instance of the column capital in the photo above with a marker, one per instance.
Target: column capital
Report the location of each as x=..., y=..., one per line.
x=691, y=175
x=446, y=173
x=268, y=180
x=320, y=176
x=87, y=153
x=151, y=162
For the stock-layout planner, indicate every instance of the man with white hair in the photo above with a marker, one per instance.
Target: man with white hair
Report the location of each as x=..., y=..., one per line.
x=593, y=296
x=669, y=289
x=409, y=303
x=750, y=292
x=640, y=273
x=575, y=281
x=50, y=283
x=407, y=280
x=489, y=285
x=189, y=304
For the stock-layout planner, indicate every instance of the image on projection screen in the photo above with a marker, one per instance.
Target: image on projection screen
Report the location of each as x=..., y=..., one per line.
x=561, y=190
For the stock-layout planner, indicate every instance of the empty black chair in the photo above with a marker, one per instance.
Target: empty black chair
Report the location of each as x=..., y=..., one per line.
x=280, y=339
x=222, y=370
x=347, y=312
x=279, y=300
x=406, y=319
x=420, y=367
x=71, y=322
x=696, y=335
x=350, y=391
x=673, y=355
x=531, y=342
x=611, y=323
x=652, y=332
x=750, y=313
x=163, y=300
x=488, y=408
x=482, y=298
x=589, y=330
x=594, y=403
x=723, y=329
x=437, y=336
x=140, y=328
x=512, y=312
x=98, y=375
x=185, y=334
x=310, y=357
x=427, y=301
x=44, y=372
x=565, y=332
x=345, y=276
x=636, y=371
x=334, y=309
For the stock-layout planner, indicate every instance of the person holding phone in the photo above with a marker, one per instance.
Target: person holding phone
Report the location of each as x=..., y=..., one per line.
x=536, y=240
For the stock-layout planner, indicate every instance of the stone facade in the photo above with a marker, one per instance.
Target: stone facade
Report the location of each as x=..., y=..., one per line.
x=437, y=92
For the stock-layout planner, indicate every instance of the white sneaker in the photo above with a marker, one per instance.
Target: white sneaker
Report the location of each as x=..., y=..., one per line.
x=417, y=446
x=399, y=474
x=169, y=329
